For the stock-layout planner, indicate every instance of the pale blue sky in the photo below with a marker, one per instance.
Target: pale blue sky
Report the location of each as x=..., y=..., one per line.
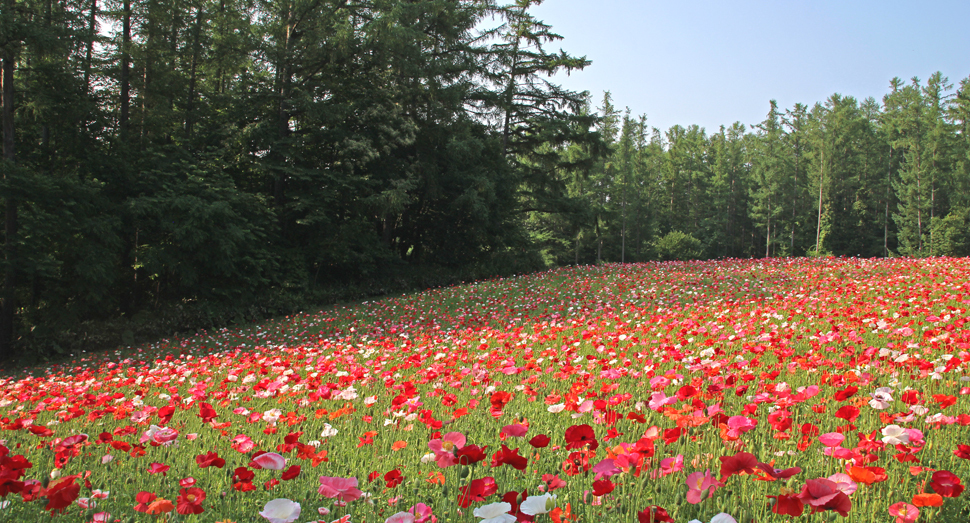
x=717, y=62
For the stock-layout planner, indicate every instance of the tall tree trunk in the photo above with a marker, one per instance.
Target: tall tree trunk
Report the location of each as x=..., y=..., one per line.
x=885, y=217
x=10, y=206
x=125, y=69
x=189, y=116
x=768, y=231
x=283, y=116
x=92, y=28
x=821, y=179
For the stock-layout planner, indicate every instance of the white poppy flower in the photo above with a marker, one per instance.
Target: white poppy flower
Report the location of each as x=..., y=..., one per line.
x=534, y=505
x=495, y=513
x=894, y=435
x=281, y=510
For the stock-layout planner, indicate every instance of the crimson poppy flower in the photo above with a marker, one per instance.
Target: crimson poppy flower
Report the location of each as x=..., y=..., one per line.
x=824, y=494
x=779, y=473
x=510, y=457
x=579, y=436
x=144, y=498
x=190, y=501
x=654, y=514
x=290, y=473
x=477, y=490
x=741, y=462
x=603, y=487
x=848, y=413
x=946, y=484
x=788, y=504
x=470, y=454
x=207, y=413
x=210, y=459
x=61, y=493
x=540, y=441
x=962, y=451
x=393, y=478
x=846, y=393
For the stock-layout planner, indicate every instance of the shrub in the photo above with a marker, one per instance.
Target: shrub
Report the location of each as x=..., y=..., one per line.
x=677, y=245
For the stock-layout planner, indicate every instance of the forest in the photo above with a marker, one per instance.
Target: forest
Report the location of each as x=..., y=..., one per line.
x=180, y=164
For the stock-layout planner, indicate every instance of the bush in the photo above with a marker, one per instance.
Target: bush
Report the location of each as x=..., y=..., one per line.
x=950, y=234
x=678, y=246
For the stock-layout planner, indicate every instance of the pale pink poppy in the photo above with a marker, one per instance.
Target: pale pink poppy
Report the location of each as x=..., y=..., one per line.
x=270, y=461
x=342, y=489
x=401, y=517
x=281, y=510
x=843, y=482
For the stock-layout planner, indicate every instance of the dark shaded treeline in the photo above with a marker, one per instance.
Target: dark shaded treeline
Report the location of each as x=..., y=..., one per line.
x=172, y=164
x=210, y=160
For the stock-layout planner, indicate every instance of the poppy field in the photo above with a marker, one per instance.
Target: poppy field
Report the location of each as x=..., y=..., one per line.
x=735, y=390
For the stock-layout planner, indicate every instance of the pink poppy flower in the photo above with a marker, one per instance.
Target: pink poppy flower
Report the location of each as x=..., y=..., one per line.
x=831, y=439
x=422, y=512
x=444, y=448
x=670, y=465
x=270, y=461
x=343, y=489
x=904, y=512
x=158, y=468
x=738, y=425
x=844, y=483
x=401, y=517
x=700, y=486
x=243, y=444
x=515, y=430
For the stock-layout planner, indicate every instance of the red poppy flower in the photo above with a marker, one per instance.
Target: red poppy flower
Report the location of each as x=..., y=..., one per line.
x=824, y=494
x=579, y=436
x=393, y=478
x=846, y=393
x=207, y=413
x=210, y=459
x=540, y=441
x=290, y=473
x=603, y=487
x=962, y=451
x=144, y=498
x=509, y=457
x=672, y=435
x=190, y=501
x=741, y=462
x=553, y=482
x=470, y=454
x=61, y=493
x=911, y=397
x=788, y=505
x=848, y=413
x=946, y=484
x=477, y=490
x=654, y=514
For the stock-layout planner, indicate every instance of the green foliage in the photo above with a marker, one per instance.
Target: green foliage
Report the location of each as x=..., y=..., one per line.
x=677, y=245
x=951, y=234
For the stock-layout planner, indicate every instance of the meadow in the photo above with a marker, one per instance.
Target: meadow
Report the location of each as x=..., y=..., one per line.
x=735, y=390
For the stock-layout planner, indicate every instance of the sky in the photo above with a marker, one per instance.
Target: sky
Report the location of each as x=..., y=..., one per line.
x=712, y=63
